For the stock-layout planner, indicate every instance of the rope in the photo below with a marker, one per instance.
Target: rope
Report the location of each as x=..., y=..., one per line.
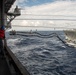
x=37, y=35
x=41, y=36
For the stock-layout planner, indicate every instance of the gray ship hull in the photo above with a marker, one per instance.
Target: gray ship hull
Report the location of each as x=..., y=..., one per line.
x=70, y=35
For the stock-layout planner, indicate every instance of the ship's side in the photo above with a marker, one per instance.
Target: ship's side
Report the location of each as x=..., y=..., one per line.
x=70, y=37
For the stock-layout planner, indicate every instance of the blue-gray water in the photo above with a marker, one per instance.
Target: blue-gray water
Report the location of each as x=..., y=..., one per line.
x=44, y=56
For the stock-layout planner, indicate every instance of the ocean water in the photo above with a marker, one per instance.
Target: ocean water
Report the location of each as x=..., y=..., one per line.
x=44, y=55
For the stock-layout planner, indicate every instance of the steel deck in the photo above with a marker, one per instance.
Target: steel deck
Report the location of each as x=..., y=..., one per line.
x=4, y=69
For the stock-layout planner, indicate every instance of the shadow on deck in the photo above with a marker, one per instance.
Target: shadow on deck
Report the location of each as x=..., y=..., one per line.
x=4, y=69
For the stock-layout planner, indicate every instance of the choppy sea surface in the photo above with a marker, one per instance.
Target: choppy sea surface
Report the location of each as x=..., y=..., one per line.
x=44, y=55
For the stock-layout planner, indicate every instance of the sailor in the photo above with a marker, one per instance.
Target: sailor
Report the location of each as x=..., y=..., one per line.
x=2, y=34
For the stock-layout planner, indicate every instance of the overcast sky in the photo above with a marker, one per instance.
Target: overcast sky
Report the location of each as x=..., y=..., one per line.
x=46, y=13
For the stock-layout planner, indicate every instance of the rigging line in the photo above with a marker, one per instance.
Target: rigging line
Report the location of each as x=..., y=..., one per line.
x=46, y=19
x=36, y=34
x=31, y=26
x=42, y=19
x=48, y=15
x=40, y=26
